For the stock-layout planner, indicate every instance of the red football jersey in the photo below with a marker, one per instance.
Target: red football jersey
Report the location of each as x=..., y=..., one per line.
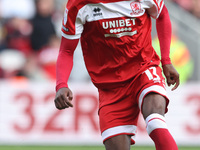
x=115, y=36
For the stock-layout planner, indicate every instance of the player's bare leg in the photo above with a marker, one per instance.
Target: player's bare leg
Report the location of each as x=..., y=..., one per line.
x=120, y=142
x=153, y=110
x=153, y=103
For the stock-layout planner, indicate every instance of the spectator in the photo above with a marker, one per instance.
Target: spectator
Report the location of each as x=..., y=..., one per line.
x=18, y=35
x=196, y=8
x=186, y=4
x=2, y=34
x=14, y=25
x=12, y=63
x=21, y=8
x=48, y=56
x=43, y=27
x=193, y=6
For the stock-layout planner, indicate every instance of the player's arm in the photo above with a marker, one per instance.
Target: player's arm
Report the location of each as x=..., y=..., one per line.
x=72, y=28
x=164, y=31
x=64, y=66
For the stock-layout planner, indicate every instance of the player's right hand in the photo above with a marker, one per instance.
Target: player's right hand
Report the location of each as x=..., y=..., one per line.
x=63, y=98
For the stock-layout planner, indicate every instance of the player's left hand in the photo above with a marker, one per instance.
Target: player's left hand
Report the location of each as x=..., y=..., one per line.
x=171, y=75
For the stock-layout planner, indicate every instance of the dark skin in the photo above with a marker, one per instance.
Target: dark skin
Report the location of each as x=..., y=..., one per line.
x=153, y=103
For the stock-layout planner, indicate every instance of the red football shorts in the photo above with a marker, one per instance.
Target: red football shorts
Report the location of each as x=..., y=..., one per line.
x=120, y=106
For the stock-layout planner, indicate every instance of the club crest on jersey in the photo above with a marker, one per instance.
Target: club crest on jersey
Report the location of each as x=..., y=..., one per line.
x=136, y=8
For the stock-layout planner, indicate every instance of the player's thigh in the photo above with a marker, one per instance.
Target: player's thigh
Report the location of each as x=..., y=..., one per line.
x=120, y=142
x=153, y=103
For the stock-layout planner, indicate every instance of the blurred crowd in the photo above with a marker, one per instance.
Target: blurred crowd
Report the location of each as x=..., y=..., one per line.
x=192, y=6
x=30, y=36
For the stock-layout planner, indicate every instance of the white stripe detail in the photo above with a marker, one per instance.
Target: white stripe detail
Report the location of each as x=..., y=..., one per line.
x=155, y=121
x=121, y=34
x=155, y=88
x=160, y=10
x=119, y=129
x=77, y=36
x=154, y=10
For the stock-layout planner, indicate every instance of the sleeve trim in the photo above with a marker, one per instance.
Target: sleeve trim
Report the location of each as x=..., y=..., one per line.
x=71, y=36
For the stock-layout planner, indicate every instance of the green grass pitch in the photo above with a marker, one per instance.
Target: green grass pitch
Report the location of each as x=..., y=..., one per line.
x=81, y=148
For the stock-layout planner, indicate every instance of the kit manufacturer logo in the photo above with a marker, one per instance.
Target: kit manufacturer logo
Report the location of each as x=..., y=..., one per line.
x=97, y=12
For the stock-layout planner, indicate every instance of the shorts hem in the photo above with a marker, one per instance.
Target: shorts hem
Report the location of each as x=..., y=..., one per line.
x=131, y=134
x=120, y=130
x=156, y=89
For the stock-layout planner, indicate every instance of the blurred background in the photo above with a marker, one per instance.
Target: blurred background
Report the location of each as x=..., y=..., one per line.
x=30, y=32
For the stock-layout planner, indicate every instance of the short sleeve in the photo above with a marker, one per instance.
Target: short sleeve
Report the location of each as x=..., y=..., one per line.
x=154, y=7
x=72, y=26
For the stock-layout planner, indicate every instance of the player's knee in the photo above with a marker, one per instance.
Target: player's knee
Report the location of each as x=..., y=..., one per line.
x=153, y=103
x=158, y=108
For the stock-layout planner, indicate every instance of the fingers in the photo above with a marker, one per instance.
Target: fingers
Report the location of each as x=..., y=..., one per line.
x=62, y=102
x=177, y=82
x=70, y=96
x=66, y=101
x=173, y=80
